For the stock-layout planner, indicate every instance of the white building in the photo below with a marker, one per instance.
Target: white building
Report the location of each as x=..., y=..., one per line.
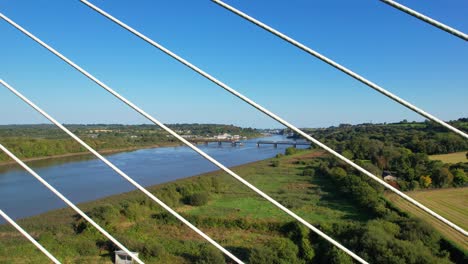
x=121, y=257
x=390, y=178
x=223, y=136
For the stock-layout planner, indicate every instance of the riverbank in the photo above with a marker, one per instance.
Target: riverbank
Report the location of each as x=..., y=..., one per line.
x=85, y=153
x=102, y=151
x=86, y=178
x=232, y=214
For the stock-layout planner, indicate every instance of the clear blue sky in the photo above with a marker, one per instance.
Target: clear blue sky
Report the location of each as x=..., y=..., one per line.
x=416, y=61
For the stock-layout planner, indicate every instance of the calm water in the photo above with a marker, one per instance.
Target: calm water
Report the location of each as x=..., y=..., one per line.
x=83, y=179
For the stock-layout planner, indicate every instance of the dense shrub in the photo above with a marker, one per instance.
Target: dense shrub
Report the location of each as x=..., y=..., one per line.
x=197, y=199
x=153, y=249
x=359, y=189
x=459, y=178
x=85, y=246
x=299, y=234
x=106, y=214
x=380, y=243
x=308, y=172
x=442, y=177
x=216, y=184
x=290, y=151
x=210, y=255
x=336, y=256
x=170, y=195
x=241, y=223
x=165, y=218
x=278, y=251
x=262, y=255
x=292, y=202
x=275, y=163
x=131, y=210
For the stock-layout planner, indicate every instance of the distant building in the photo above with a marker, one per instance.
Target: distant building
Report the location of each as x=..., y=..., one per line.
x=121, y=257
x=390, y=178
x=387, y=176
x=93, y=135
x=223, y=136
x=102, y=131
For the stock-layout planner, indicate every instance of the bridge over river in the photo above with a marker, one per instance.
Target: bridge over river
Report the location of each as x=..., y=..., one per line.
x=234, y=143
x=276, y=143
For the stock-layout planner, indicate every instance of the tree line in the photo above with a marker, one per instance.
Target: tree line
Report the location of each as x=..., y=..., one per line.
x=31, y=141
x=402, y=150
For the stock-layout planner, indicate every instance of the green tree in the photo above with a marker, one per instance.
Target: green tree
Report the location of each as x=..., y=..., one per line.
x=338, y=172
x=275, y=163
x=348, y=154
x=300, y=236
x=460, y=178
x=381, y=243
x=442, y=177
x=209, y=255
x=425, y=181
x=290, y=151
x=197, y=199
x=337, y=256
x=278, y=251
x=308, y=172
x=153, y=248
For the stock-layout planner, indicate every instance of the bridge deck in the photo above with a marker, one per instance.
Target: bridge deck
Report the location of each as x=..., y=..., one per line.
x=283, y=142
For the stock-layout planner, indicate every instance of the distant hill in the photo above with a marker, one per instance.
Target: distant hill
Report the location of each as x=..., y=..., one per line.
x=46, y=140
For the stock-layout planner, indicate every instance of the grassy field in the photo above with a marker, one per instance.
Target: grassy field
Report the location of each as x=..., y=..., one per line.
x=451, y=157
x=234, y=216
x=449, y=203
x=230, y=202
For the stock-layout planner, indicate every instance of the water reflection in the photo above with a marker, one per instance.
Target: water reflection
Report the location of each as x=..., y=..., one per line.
x=46, y=162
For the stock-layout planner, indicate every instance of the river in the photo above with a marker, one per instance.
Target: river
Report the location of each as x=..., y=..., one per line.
x=84, y=178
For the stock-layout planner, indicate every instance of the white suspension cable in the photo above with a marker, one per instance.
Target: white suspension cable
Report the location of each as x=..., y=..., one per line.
x=68, y=202
x=121, y=173
x=30, y=238
x=427, y=19
x=275, y=117
x=341, y=68
x=203, y=154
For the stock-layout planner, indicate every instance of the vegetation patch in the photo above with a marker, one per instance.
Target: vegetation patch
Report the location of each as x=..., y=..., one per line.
x=451, y=157
x=332, y=196
x=450, y=203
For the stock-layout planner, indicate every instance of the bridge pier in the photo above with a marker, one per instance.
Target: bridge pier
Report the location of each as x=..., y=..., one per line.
x=275, y=145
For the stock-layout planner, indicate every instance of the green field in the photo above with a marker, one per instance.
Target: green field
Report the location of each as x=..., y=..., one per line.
x=451, y=157
x=256, y=221
x=247, y=225
x=449, y=203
